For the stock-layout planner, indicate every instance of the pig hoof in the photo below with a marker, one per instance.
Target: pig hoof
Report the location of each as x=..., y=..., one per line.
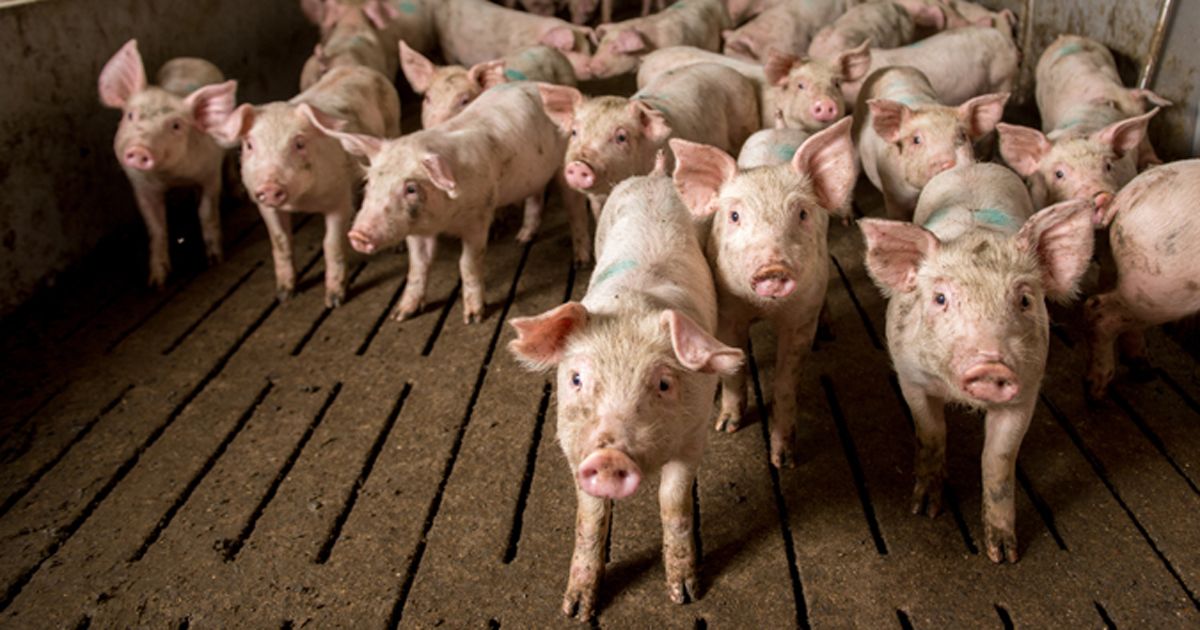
x=526, y=235
x=1001, y=545
x=685, y=590
x=472, y=318
x=783, y=458
x=284, y=295
x=1096, y=389
x=578, y=604
x=729, y=422
x=333, y=300
x=927, y=499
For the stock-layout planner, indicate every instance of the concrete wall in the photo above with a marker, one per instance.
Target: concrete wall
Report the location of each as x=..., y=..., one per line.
x=61, y=190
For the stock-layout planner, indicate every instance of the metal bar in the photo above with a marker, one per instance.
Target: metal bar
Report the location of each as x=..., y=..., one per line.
x=1154, y=55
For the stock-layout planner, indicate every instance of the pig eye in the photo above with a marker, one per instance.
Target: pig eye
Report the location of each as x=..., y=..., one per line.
x=464, y=100
x=734, y=217
x=576, y=380
x=803, y=215
x=299, y=143
x=622, y=136
x=800, y=86
x=129, y=116
x=175, y=126
x=1059, y=174
x=916, y=140
x=1026, y=302
x=247, y=145
x=664, y=385
x=837, y=83
x=939, y=299
x=1108, y=166
x=410, y=190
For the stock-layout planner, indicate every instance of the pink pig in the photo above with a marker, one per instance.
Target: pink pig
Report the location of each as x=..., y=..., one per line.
x=1155, y=241
x=809, y=89
x=474, y=31
x=621, y=45
x=768, y=252
x=637, y=370
x=290, y=163
x=967, y=321
x=161, y=142
x=785, y=26
x=905, y=136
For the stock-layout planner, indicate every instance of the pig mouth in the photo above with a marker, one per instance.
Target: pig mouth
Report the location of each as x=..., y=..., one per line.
x=990, y=381
x=773, y=281
x=361, y=242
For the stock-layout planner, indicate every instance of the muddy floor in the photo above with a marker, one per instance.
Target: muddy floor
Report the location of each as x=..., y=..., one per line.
x=207, y=457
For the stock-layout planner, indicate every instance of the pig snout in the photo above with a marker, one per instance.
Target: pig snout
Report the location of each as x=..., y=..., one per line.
x=580, y=175
x=138, y=157
x=990, y=381
x=824, y=110
x=1102, y=201
x=773, y=281
x=271, y=195
x=944, y=166
x=609, y=474
x=361, y=242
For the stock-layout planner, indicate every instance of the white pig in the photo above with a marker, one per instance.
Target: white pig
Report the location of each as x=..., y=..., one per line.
x=785, y=26
x=619, y=46
x=809, y=89
x=967, y=322
x=1155, y=240
x=451, y=178
x=768, y=253
x=904, y=135
x=290, y=163
x=161, y=142
x=474, y=31
x=637, y=366
x=613, y=137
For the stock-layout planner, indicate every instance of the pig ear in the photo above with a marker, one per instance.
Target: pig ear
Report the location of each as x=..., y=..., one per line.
x=1125, y=135
x=561, y=38
x=362, y=144
x=780, y=123
x=1023, y=148
x=887, y=117
x=654, y=125
x=700, y=171
x=982, y=113
x=827, y=157
x=855, y=62
x=1146, y=96
x=487, y=74
x=630, y=40
x=440, y=174
x=696, y=349
x=928, y=15
x=895, y=250
x=123, y=76
x=380, y=13
x=739, y=45
x=212, y=104
x=235, y=126
x=1061, y=238
x=417, y=68
x=778, y=65
x=560, y=103
x=596, y=35
x=540, y=340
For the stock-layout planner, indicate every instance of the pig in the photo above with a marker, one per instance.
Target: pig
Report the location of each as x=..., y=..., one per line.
x=290, y=163
x=161, y=142
x=884, y=24
x=1091, y=155
x=613, y=137
x=1075, y=70
x=449, y=89
x=449, y=179
x=621, y=45
x=785, y=26
x=1155, y=242
x=410, y=21
x=637, y=368
x=674, y=57
x=352, y=35
x=905, y=136
x=769, y=147
x=474, y=31
x=809, y=90
x=966, y=320
x=768, y=252
x=960, y=63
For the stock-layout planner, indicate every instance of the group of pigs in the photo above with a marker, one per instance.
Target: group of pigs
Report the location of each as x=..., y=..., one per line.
x=693, y=244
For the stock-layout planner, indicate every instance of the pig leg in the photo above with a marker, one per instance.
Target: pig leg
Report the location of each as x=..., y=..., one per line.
x=592, y=520
x=337, y=225
x=210, y=219
x=733, y=384
x=679, y=541
x=470, y=267
x=420, y=257
x=153, y=207
x=1133, y=354
x=1106, y=317
x=577, y=218
x=534, y=205
x=929, y=420
x=279, y=227
x=795, y=342
x=1006, y=428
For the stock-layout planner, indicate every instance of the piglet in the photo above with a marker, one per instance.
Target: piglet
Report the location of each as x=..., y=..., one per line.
x=619, y=46
x=474, y=31
x=161, y=142
x=808, y=90
x=450, y=179
x=1155, y=241
x=613, y=137
x=905, y=135
x=290, y=163
x=884, y=24
x=787, y=26
x=637, y=370
x=768, y=253
x=967, y=322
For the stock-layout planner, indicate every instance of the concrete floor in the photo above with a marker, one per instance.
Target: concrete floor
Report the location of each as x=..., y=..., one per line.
x=206, y=457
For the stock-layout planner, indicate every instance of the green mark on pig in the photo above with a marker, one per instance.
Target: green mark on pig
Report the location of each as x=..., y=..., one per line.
x=649, y=98
x=515, y=75
x=992, y=216
x=191, y=87
x=784, y=152
x=1068, y=124
x=408, y=7
x=613, y=270
x=1068, y=50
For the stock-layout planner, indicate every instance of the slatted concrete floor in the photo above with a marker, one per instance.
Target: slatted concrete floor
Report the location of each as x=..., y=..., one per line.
x=209, y=458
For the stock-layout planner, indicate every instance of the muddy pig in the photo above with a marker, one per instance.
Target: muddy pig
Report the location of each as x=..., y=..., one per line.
x=967, y=322
x=620, y=46
x=613, y=137
x=161, y=142
x=637, y=370
x=905, y=135
x=451, y=178
x=768, y=253
x=1155, y=240
x=290, y=163
x=474, y=31
x=785, y=26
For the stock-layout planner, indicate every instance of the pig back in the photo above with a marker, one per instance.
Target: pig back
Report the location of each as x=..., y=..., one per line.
x=973, y=196
x=183, y=75
x=539, y=63
x=365, y=99
x=708, y=103
x=1074, y=70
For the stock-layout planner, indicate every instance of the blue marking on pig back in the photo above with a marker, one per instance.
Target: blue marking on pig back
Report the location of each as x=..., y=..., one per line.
x=658, y=106
x=191, y=87
x=408, y=7
x=515, y=75
x=935, y=217
x=784, y=152
x=1068, y=50
x=992, y=216
x=614, y=270
x=1068, y=124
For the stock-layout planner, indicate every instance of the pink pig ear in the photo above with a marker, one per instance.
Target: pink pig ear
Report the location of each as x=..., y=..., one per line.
x=487, y=74
x=629, y=41
x=235, y=126
x=778, y=65
x=928, y=15
x=982, y=113
x=700, y=171
x=827, y=157
x=123, y=76
x=380, y=13
x=1149, y=97
x=1125, y=135
x=654, y=125
x=887, y=117
x=212, y=104
x=1023, y=148
x=540, y=340
x=560, y=103
x=1061, y=236
x=440, y=174
x=362, y=144
x=561, y=38
x=895, y=250
x=417, y=68
x=696, y=349
x=855, y=62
